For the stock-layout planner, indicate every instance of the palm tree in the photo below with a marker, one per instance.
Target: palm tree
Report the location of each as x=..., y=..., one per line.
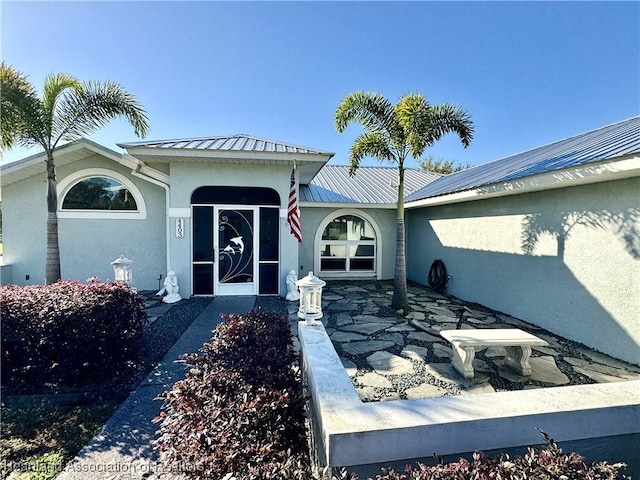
x=392, y=133
x=68, y=110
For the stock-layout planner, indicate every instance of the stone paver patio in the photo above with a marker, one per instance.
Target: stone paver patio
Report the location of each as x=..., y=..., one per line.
x=387, y=358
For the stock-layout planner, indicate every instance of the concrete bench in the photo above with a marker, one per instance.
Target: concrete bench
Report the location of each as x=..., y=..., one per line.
x=516, y=342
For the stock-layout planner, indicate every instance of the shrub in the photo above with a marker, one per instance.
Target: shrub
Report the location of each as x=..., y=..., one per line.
x=239, y=412
x=68, y=333
x=548, y=463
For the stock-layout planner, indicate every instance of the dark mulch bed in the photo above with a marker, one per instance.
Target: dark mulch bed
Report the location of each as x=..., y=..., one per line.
x=160, y=336
x=272, y=304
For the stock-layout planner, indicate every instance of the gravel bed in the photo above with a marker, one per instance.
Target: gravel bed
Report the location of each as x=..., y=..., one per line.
x=159, y=336
x=274, y=304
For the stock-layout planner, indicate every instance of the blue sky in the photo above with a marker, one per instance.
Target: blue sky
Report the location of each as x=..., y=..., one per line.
x=529, y=73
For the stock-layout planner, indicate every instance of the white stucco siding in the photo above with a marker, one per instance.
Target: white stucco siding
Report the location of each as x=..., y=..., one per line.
x=566, y=259
x=385, y=220
x=187, y=177
x=24, y=208
x=87, y=245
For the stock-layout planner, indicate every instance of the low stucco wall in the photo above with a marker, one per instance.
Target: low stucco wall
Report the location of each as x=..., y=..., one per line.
x=350, y=432
x=87, y=246
x=566, y=259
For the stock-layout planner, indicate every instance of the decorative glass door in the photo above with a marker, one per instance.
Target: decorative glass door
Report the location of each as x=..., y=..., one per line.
x=235, y=250
x=235, y=263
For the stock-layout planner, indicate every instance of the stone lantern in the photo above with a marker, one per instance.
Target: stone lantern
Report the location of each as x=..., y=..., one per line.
x=310, y=298
x=122, y=269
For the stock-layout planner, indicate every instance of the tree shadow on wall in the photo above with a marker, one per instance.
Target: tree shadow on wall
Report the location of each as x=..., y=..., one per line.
x=624, y=224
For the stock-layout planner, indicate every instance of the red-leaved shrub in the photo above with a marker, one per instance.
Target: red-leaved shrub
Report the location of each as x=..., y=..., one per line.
x=68, y=333
x=239, y=412
x=549, y=463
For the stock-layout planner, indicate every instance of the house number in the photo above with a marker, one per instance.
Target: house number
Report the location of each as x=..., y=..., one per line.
x=179, y=227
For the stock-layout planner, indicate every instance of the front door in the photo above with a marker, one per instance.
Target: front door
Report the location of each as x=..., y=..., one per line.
x=234, y=238
x=235, y=249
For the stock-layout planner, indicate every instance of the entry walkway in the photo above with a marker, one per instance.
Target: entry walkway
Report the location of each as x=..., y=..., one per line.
x=123, y=450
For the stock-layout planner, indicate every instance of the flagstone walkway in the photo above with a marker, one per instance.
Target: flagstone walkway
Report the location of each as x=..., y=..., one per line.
x=387, y=358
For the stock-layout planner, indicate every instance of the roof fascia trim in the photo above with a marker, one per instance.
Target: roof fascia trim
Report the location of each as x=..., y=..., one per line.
x=139, y=167
x=229, y=154
x=70, y=147
x=619, y=168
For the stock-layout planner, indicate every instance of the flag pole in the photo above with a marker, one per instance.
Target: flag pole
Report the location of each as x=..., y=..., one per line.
x=293, y=212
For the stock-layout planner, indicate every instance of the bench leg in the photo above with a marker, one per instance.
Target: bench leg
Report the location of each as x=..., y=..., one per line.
x=517, y=359
x=463, y=360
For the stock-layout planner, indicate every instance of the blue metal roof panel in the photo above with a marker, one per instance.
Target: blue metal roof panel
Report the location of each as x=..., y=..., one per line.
x=370, y=185
x=240, y=143
x=622, y=138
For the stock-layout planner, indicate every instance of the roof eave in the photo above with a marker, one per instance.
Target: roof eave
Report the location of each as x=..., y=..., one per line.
x=613, y=169
x=185, y=153
x=308, y=163
x=10, y=172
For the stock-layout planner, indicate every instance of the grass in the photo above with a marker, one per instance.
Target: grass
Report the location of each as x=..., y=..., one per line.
x=38, y=441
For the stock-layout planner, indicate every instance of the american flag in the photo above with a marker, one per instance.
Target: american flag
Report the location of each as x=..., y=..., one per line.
x=293, y=214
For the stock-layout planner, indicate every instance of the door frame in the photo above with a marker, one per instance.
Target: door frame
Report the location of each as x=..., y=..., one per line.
x=220, y=288
x=266, y=238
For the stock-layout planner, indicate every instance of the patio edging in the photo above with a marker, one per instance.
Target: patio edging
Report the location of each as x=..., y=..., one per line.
x=357, y=433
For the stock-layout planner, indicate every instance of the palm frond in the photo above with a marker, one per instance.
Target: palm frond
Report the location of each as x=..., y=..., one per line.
x=412, y=113
x=369, y=144
x=55, y=86
x=446, y=118
x=21, y=113
x=84, y=111
x=371, y=110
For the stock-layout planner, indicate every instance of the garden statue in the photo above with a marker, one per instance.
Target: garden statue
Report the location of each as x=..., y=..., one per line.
x=292, y=288
x=171, y=288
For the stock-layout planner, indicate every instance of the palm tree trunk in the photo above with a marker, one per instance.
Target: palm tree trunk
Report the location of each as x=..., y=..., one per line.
x=52, y=258
x=399, y=300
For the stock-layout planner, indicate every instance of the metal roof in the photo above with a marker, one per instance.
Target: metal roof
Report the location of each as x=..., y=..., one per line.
x=611, y=141
x=370, y=185
x=239, y=143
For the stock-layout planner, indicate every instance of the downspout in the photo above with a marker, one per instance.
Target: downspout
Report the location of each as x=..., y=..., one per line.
x=142, y=171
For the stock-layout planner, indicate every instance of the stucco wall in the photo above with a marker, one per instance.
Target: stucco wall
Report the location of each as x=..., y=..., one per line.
x=186, y=177
x=385, y=219
x=87, y=246
x=567, y=260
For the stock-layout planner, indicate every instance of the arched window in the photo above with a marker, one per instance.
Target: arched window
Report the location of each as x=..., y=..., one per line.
x=347, y=244
x=99, y=193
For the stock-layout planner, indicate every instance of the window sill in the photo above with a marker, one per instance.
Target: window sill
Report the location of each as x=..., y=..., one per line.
x=101, y=214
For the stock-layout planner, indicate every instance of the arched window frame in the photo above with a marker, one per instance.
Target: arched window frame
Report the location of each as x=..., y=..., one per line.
x=76, y=177
x=377, y=273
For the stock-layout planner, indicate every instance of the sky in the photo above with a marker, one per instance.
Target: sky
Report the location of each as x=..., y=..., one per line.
x=528, y=73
